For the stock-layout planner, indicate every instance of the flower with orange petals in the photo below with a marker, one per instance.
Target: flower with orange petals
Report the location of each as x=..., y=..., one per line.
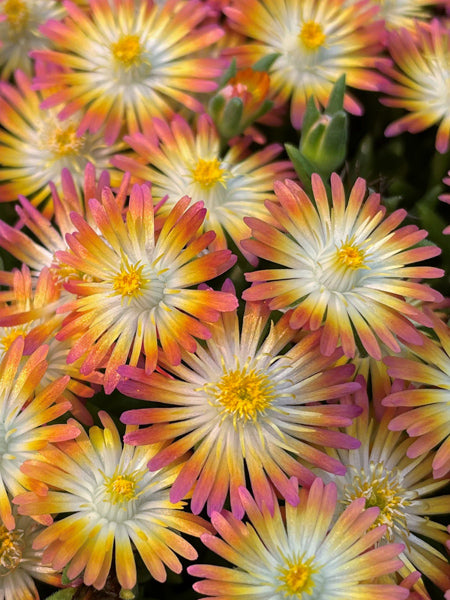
x=31, y=312
x=24, y=420
x=19, y=31
x=422, y=80
x=403, y=488
x=345, y=266
x=186, y=162
x=243, y=405
x=35, y=145
x=116, y=506
x=132, y=286
x=37, y=247
x=316, y=42
x=402, y=13
x=427, y=417
x=300, y=554
x=20, y=563
x=129, y=61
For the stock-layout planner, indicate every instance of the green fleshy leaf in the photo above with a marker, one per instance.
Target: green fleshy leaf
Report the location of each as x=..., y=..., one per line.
x=336, y=99
x=312, y=115
x=264, y=63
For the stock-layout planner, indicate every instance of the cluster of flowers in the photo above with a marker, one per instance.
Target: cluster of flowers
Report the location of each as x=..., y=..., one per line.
x=287, y=369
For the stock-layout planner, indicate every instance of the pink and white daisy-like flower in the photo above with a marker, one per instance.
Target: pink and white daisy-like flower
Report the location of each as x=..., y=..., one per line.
x=129, y=61
x=19, y=31
x=132, y=286
x=402, y=13
x=20, y=563
x=35, y=145
x=25, y=420
x=242, y=403
x=403, y=488
x=316, y=42
x=31, y=312
x=421, y=80
x=37, y=247
x=231, y=185
x=344, y=266
x=299, y=553
x=116, y=507
x=427, y=414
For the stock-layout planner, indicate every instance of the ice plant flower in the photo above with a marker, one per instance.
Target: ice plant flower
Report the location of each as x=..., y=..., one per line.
x=31, y=312
x=402, y=13
x=116, y=505
x=37, y=247
x=19, y=31
x=35, y=145
x=316, y=40
x=345, y=266
x=381, y=471
x=132, y=287
x=301, y=555
x=129, y=62
x=20, y=563
x=427, y=414
x=242, y=404
x=190, y=162
x=24, y=420
x=421, y=80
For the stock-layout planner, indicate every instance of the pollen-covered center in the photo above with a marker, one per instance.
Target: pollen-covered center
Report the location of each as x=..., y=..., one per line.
x=9, y=334
x=296, y=577
x=208, y=172
x=60, y=140
x=244, y=393
x=12, y=545
x=349, y=255
x=381, y=487
x=312, y=35
x=128, y=50
x=121, y=488
x=129, y=281
x=17, y=14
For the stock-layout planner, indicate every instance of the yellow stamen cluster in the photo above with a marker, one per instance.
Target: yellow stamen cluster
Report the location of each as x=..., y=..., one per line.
x=12, y=545
x=296, y=578
x=208, y=172
x=129, y=282
x=11, y=334
x=17, y=14
x=381, y=488
x=61, y=140
x=128, y=50
x=244, y=393
x=121, y=488
x=312, y=35
x=351, y=256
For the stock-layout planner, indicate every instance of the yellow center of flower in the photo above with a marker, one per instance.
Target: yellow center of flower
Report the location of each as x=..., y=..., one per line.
x=381, y=487
x=312, y=35
x=60, y=139
x=208, y=172
x=351, y=256
x=11, y=334
x=296, y=578
x=17, y=13
x=129, y=282
x=121, y=488
x=128, y=50
x=12, y=545
x=244, y=393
